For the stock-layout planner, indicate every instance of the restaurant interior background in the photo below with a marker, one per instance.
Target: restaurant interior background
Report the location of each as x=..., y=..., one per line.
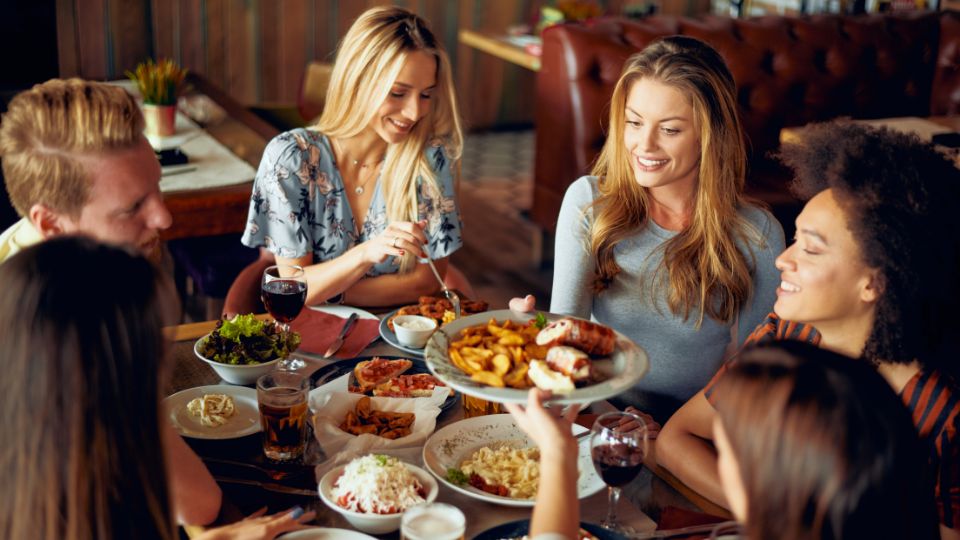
x=258, y=50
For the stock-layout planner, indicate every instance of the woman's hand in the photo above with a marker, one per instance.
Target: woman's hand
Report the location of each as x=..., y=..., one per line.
x=523, y=305
x=653, y=428
x=398, y=238
x=547, y=427
x=257, y=526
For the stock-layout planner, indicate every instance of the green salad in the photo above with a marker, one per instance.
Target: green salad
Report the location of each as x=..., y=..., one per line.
x=244, y=340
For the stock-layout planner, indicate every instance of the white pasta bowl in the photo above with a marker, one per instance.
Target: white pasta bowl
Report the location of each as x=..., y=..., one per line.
x=373, y=523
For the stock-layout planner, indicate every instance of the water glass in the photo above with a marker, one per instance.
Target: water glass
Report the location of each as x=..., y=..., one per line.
x=435, y=521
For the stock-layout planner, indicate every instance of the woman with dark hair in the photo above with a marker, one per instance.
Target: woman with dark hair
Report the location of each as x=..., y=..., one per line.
x=872, y=274
x=660, y=242
x=816, y=446
x=85, y=453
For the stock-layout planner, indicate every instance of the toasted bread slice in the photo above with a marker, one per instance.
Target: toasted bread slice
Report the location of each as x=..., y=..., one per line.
x=414, y=385
x=370, y=373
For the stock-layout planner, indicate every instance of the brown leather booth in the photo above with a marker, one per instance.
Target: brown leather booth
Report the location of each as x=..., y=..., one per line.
x=789, y=71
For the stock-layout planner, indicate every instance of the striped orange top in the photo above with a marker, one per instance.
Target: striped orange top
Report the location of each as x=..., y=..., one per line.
x=933, y=401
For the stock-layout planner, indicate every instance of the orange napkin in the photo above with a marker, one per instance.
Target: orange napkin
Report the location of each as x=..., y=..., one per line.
x=318, y=330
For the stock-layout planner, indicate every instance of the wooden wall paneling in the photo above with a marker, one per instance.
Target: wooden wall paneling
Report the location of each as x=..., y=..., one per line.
x=91, y=28
x=68, y=49
x=325, y=28
x=215, y=29
x=191, y=52
x=293, y=40
x=269, y=53
x=241, y=49
x=347, y=12
x=166, y=25
x=130, y=35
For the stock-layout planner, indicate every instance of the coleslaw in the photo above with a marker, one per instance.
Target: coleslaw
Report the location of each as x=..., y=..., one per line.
x=377, y=484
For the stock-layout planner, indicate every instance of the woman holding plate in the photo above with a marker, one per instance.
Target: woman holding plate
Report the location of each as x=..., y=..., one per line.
x=359, y=199
x=660, y=242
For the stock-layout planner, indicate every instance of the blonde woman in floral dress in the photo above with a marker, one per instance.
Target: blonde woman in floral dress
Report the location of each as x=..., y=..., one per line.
x=360, y=199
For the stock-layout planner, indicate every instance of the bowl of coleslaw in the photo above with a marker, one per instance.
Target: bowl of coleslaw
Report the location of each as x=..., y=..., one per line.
x=372, y=492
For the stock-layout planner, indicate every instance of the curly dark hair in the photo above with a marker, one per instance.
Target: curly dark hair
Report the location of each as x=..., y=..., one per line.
x=900, y=197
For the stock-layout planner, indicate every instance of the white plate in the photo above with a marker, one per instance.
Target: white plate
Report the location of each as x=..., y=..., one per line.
x=447, y=448
x=344, y=311
x=323, y=533
x=390, y=337
x=627, y=365
x=245, y=421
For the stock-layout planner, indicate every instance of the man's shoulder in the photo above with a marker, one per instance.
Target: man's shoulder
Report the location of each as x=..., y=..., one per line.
x=18, y=236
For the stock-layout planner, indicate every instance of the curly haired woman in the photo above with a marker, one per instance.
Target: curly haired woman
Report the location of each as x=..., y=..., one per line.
x=873, y=275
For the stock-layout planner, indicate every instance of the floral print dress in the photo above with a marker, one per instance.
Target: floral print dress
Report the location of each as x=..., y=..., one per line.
x=299, y=204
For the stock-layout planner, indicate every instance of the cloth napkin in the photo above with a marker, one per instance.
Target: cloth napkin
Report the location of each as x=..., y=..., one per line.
x=318, y=330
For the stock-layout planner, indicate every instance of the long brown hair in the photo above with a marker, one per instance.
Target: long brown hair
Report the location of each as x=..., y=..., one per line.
x=702, y=265
x=368, y=62
x=826, y=448
x=82, y=351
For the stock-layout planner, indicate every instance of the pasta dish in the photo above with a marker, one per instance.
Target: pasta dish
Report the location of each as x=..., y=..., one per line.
x=213, y=409
x=505, y=471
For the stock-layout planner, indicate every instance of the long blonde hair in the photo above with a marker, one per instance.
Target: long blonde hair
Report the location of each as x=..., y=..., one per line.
x=368, y=62
x=702, y=265
x=48, y=128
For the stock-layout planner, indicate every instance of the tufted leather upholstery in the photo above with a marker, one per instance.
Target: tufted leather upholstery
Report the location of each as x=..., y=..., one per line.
x=789, y=72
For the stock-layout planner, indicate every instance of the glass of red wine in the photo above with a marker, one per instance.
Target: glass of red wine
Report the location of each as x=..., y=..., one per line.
x=618, y=443
x=283, y=290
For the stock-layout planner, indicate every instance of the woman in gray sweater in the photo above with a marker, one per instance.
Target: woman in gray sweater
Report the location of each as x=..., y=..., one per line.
x=660, y=243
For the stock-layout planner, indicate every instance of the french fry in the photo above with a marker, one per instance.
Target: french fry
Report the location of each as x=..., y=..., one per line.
x=497, y=354
x=489, y=378
x=501, y=364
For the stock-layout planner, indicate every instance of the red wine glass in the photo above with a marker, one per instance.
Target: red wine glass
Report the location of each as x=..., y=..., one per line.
x=618, y=443
x=283, y=290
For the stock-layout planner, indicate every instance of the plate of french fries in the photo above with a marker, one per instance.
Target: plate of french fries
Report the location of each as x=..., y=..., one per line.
x=489, y=355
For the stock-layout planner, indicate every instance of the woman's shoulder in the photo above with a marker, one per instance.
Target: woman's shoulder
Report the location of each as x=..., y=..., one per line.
x=758, y=216
x=583, y=190
x=296, y=140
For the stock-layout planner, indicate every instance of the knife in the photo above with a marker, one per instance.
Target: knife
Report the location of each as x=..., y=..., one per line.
x=337, y=343
x=267, y=486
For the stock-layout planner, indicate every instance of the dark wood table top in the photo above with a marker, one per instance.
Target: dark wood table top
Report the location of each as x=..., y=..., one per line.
x=239, y=460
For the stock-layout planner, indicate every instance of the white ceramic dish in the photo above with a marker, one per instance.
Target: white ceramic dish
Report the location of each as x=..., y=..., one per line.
x=410, y=336
x=373, y=523
x=344, y=311
x=448, y=447
x=627, y=365
x=390, y=337
x=245, y=421
x=239, y=374
x=324, y=533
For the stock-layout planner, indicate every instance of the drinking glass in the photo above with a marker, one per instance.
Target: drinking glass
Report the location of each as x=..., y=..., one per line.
x=618, y=443
x=283, y=290
x=474, y=406
x=282, y=399
x=435, y=521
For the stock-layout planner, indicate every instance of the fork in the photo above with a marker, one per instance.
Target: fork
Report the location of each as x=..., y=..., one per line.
x=451, y=296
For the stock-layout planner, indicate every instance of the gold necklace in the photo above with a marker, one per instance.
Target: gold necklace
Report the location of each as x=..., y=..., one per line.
x=359, y=189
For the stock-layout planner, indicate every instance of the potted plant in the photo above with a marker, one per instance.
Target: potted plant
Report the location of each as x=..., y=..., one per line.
x=159, y=83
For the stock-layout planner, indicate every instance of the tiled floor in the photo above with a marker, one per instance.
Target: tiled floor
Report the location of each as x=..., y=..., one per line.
x=495, y=190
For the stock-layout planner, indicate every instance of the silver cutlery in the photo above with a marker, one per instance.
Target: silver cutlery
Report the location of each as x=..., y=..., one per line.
x=684, y=531
x=451, y=296
x=267, y=486
x=337, y=343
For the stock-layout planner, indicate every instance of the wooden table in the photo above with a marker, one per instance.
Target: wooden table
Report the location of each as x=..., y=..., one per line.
x=501, y=48
x=653, y=490
x=210, y=212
